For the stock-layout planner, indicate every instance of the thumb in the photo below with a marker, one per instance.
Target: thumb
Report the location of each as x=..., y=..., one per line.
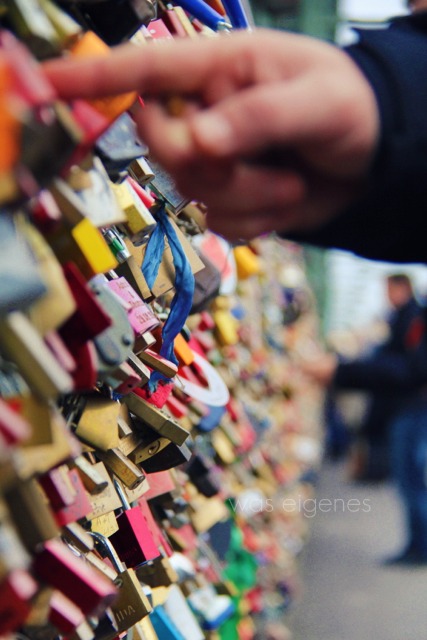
x=260, y=116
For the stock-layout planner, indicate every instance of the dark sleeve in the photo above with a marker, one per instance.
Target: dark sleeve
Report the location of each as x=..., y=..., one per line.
x=384, y=373
x=388, y=221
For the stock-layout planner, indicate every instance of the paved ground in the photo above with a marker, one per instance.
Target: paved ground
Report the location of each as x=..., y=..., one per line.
x=347, y=593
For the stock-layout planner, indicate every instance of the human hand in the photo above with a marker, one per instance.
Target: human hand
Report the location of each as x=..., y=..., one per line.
x=320, y=368
x=245, y=98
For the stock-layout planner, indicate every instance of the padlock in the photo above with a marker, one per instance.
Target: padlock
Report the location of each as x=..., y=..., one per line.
x=58, y=487
x=84, y=245
x=93, y=474
x=107, y=500
x=211, y=609
x=144, y=195
x=158, y=363
x=115, y=22
x=39, y=614
x=200, y=473
x=156, y=419
x=163, y=625
x=184, y=20
x=174, y=24
x=64, y=615
x=106, y=524
x=120, y=146
x=96, y=192
x=141, y=171
x=111, y=107
x=60, y=351
x=131, y=604
x=34, y=27
x=144, y=630
x=113, y=345
x=170, y=456
x=129, y=443
x=107, y=625
x=140, y=315
x=127, y=471
x=40, y=458
x=75, y=535
x=162, y=483
x=79, y=507
x=14, y=428
x=183, y=351
x=16, y=591
x=49, y=140
x=67, y=30
x=39, y=414
x=164, y=185
x=131, y=271
x=157, y=30
x=30, y=513
x=97, y=425
x=206, y=512
x=149, y=444
x=154, y=526
x=83, y=632
x=58, y=566
x=22, y=283
x=183, y=616
x=139, y=222
x=133, y=541
x=13, y=554
x=124, y=379
x=138, y=366
x=90, y=318
x=159, y=573
x=20, y=342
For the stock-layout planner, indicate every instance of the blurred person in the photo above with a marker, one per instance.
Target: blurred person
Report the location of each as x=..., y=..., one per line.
x=394, y=374
x=279, y=131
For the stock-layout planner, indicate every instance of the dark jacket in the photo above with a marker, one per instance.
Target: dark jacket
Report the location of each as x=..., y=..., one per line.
x=389, y=220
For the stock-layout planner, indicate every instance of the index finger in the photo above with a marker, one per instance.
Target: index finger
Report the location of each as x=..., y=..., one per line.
x=154, y=68
x=182, y=65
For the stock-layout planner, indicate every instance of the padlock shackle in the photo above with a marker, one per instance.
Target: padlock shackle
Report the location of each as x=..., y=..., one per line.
x=109, y=550
x=120, y=492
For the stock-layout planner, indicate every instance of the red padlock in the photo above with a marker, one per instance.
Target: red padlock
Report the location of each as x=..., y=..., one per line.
x=16, y=591
x=13, y=427
x=79, y=507
x=57, y=487
x=56, y=564
x=133, y=541
x=64, y=614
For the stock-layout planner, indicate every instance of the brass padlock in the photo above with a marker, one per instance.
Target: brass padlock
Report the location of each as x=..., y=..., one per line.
x=98, y=424
x=131, y=604
x=30, y=513
x=23, y=344
x=156, y=419
x=119, y=464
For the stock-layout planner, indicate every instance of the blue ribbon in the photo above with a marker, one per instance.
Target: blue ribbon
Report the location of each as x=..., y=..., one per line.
x=184, y=285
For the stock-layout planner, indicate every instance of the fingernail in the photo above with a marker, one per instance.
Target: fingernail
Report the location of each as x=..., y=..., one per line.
x=213, y=132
